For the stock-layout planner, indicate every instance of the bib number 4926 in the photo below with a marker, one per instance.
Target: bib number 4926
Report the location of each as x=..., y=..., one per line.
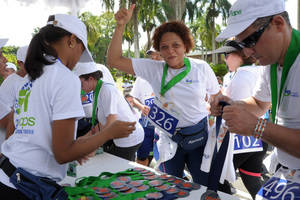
x=163, y=119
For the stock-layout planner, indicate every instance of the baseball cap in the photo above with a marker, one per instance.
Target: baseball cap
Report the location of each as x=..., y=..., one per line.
x=229, y=46
x=85, y=68
x=3, y=42
x=244, y=12
x=11, y=66
x=75, y=26
x=21, y=53
x=150, y=51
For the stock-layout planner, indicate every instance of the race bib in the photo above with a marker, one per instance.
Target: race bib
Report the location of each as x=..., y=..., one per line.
x=88, y=98
x=285, y=184
x=149, y=102
x=245, y=144
x=162, y=118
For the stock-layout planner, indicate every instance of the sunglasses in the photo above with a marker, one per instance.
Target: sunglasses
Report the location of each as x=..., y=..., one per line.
x=252, y=39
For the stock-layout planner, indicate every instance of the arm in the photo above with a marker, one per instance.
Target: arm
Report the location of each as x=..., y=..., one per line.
x=286, y=139
x=114, y=53
x=5, y=121
x=66, y=149
x=143, y=108
x=109, y=120
x=254, y=105
x=10, y=125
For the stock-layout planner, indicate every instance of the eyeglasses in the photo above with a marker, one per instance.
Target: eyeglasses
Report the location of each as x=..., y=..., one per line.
x=252, y=39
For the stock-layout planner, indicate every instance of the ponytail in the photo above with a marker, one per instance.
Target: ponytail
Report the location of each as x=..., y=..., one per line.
x=40, y=52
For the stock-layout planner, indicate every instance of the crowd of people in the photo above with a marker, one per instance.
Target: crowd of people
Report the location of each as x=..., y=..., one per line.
x=59, y=106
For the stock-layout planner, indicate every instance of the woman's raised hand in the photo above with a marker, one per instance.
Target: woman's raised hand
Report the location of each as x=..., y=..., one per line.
x=124, y=15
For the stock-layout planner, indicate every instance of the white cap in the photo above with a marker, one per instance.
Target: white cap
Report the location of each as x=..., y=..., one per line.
x=3, y=42
x=244, y=12
x=11, y=66
x=21, y=53
x=75, y=26
x=85, y=68
x=150, y=51
x=225, y=49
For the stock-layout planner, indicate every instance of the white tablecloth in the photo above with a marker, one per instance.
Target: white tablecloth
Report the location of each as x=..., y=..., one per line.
x=109, y=163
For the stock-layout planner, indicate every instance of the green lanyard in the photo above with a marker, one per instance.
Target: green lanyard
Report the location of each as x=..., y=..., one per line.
x=164, y=88
x=289, y=59
x=96, y=94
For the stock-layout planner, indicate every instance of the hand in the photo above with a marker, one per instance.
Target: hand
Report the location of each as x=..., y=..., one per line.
x=124, y=15
x=239, y=120
x=120, y=129
x=145, y=110
x=215, y=108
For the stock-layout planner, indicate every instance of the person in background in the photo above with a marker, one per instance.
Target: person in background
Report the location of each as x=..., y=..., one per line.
x=248, y=151
x=180, y=85
x=143, y=98
x=3, y=59
x=85, y=123
x=10, y=69
x=109, y=106
x=43, y=140
x=5, y=110
x=10, y=87
x=264, y=32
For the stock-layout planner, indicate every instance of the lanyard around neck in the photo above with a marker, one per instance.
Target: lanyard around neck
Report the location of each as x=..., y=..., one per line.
x=96, y=94
x=164, y=88
x=289, y=59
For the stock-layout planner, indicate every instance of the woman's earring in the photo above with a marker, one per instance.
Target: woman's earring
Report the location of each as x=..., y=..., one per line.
x=71, y=46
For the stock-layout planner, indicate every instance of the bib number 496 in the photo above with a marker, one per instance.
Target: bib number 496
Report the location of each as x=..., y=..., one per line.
x=277, y=188
x=163, y=119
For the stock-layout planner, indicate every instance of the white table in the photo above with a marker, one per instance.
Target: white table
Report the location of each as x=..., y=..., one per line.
x=109, y=163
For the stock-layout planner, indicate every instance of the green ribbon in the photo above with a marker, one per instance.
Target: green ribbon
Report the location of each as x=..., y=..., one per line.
x=84, y=185
x=164, y=88
x=290, y=57
x=96, y=94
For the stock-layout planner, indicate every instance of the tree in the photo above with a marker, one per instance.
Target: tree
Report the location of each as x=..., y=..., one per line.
x=214, y=8
x=148, y=17
x=99, y=31
x=174, y=9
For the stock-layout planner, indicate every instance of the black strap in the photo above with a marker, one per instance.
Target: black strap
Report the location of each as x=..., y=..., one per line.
x=6, y=166
x=219, y=156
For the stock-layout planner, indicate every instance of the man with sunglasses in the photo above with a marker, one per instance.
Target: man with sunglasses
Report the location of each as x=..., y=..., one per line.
x=263, y=30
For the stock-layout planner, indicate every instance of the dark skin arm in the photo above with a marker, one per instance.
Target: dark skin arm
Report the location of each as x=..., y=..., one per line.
x=66, y=149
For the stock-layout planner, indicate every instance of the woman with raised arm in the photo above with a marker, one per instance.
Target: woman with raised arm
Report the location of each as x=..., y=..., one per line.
x=180, y=85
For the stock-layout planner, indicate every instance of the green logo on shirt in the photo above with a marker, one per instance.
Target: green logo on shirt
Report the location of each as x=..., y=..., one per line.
x=24, y=94
x=235, y=12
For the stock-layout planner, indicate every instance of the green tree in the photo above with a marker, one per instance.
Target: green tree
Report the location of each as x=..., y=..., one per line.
x=148, y=17
x=174, y=9
x=214, y=8
x=99, y=31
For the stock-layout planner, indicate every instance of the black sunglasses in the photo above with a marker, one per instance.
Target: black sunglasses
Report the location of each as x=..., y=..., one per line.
x=252, y=39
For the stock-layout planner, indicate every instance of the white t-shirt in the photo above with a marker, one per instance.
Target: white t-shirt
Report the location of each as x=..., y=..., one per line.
x=111, y=102
x=288, y=114
x=9, y=89
x=226, y=79
x=142, y=90
x=4, y=109
x=187, y=96
x=242, y=82
x=53, y=96
x=88, y=98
